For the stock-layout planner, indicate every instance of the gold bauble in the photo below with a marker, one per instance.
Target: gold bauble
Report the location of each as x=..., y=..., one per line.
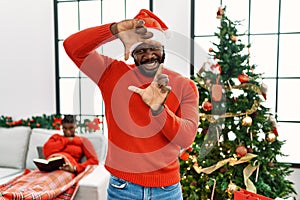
x=232, y=187
x=247, y=121
x=271, y=137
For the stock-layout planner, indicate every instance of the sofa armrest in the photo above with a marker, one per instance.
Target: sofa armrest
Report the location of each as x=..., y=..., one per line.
x=94, y=185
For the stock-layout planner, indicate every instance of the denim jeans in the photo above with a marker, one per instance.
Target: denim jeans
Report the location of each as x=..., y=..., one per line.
x=120, y=189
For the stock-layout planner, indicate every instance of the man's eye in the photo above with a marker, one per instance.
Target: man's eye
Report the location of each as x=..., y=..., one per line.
x=140, y=51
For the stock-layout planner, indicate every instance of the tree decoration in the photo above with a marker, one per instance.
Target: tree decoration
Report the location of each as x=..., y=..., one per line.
x=232, y=187
x=271, y=137
x=53, y=121
x=243, y=78
x=224, y=158
x=234, y=38
x=247, y=121
x=241, y=151
x=207, y=105
x=264, y=89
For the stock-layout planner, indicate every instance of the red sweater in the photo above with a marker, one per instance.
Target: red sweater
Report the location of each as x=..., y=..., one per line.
x=74, y=150
x=142, y=148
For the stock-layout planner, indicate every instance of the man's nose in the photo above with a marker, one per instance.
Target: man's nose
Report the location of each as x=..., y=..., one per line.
x=149, y=53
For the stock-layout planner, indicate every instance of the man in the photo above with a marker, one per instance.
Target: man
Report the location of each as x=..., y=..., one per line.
x=151, y=111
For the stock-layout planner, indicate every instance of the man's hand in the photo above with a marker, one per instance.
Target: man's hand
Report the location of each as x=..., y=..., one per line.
x=68, y=168
x=130, y=32
x=156, y=93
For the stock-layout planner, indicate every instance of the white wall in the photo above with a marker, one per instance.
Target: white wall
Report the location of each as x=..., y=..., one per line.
x=27, y=74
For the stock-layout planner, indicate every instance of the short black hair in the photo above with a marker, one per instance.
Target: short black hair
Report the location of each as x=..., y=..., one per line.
x=69, y=119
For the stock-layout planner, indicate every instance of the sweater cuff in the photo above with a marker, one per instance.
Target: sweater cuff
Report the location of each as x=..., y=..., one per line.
x=105, y=32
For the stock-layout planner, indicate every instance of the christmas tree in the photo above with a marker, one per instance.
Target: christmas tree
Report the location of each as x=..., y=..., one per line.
x=236, y=146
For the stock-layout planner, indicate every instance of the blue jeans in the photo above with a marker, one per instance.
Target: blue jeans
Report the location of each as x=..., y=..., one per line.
x=120, y=189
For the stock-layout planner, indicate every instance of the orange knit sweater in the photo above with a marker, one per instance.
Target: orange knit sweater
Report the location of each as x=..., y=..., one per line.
x=142, y=148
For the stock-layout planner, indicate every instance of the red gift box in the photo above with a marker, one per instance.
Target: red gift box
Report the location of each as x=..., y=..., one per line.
x=246, y=195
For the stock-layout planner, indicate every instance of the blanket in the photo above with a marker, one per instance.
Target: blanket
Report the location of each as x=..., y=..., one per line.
x=37, y=185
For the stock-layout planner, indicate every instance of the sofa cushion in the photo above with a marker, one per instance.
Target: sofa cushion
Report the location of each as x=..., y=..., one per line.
x=40, y=152
x=38, y=138
x=7, y=174
x=15, y=141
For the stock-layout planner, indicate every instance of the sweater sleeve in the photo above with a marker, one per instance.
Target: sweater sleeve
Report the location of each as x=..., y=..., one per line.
x=181, y=127
x=90, y=153
x=81, y=48
x=55, y=144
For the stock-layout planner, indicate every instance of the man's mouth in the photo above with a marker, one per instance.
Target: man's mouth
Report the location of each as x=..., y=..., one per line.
x=150, y=64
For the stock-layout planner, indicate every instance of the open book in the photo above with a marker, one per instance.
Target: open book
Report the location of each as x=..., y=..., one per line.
x=49, y=165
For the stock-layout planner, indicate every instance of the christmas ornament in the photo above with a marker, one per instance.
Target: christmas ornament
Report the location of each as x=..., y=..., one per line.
x=193, y=183
x=207, y=105
x=271, y=137
x=220, y=13
x=204, y=131
x=233, y=38
x=232, y=187
x=271, y=164
x=241, y=151
x=243, y=78
x=274, y=130
x=273, y=121
x=216, y=91
x=184, y=156
x=223, y=169
x=247, y=121
x=264, y=89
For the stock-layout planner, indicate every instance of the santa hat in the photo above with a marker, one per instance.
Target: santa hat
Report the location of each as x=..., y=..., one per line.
x=155, y=25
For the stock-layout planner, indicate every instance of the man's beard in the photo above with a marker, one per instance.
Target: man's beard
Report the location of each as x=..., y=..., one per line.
x=144, y=70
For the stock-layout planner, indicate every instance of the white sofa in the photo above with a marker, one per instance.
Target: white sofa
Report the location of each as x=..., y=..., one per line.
x=18, y=146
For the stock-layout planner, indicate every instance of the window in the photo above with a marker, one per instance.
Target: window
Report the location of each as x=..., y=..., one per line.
x=77, y=94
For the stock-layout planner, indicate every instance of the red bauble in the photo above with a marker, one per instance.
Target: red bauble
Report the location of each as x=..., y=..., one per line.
x=233, y=38
x=206, y=105
x=184, y=156
x=241, y=151
x=271, y=164
x=243, y=78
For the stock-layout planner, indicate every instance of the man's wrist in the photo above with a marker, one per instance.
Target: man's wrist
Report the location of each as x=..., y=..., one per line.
x=157, y=109
x=114, y=29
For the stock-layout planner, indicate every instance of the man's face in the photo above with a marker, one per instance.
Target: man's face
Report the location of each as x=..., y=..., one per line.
x=69, y=129
x=148, y=58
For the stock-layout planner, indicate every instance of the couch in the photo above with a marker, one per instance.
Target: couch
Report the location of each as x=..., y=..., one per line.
x=19, y=146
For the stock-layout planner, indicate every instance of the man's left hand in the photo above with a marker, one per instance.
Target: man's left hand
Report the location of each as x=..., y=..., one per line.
x=156, y=93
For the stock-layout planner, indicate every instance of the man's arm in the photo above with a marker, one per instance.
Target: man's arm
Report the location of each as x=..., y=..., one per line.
x=181, y=127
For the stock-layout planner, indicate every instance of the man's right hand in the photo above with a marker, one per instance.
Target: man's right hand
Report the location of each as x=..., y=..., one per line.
x=130, y=32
